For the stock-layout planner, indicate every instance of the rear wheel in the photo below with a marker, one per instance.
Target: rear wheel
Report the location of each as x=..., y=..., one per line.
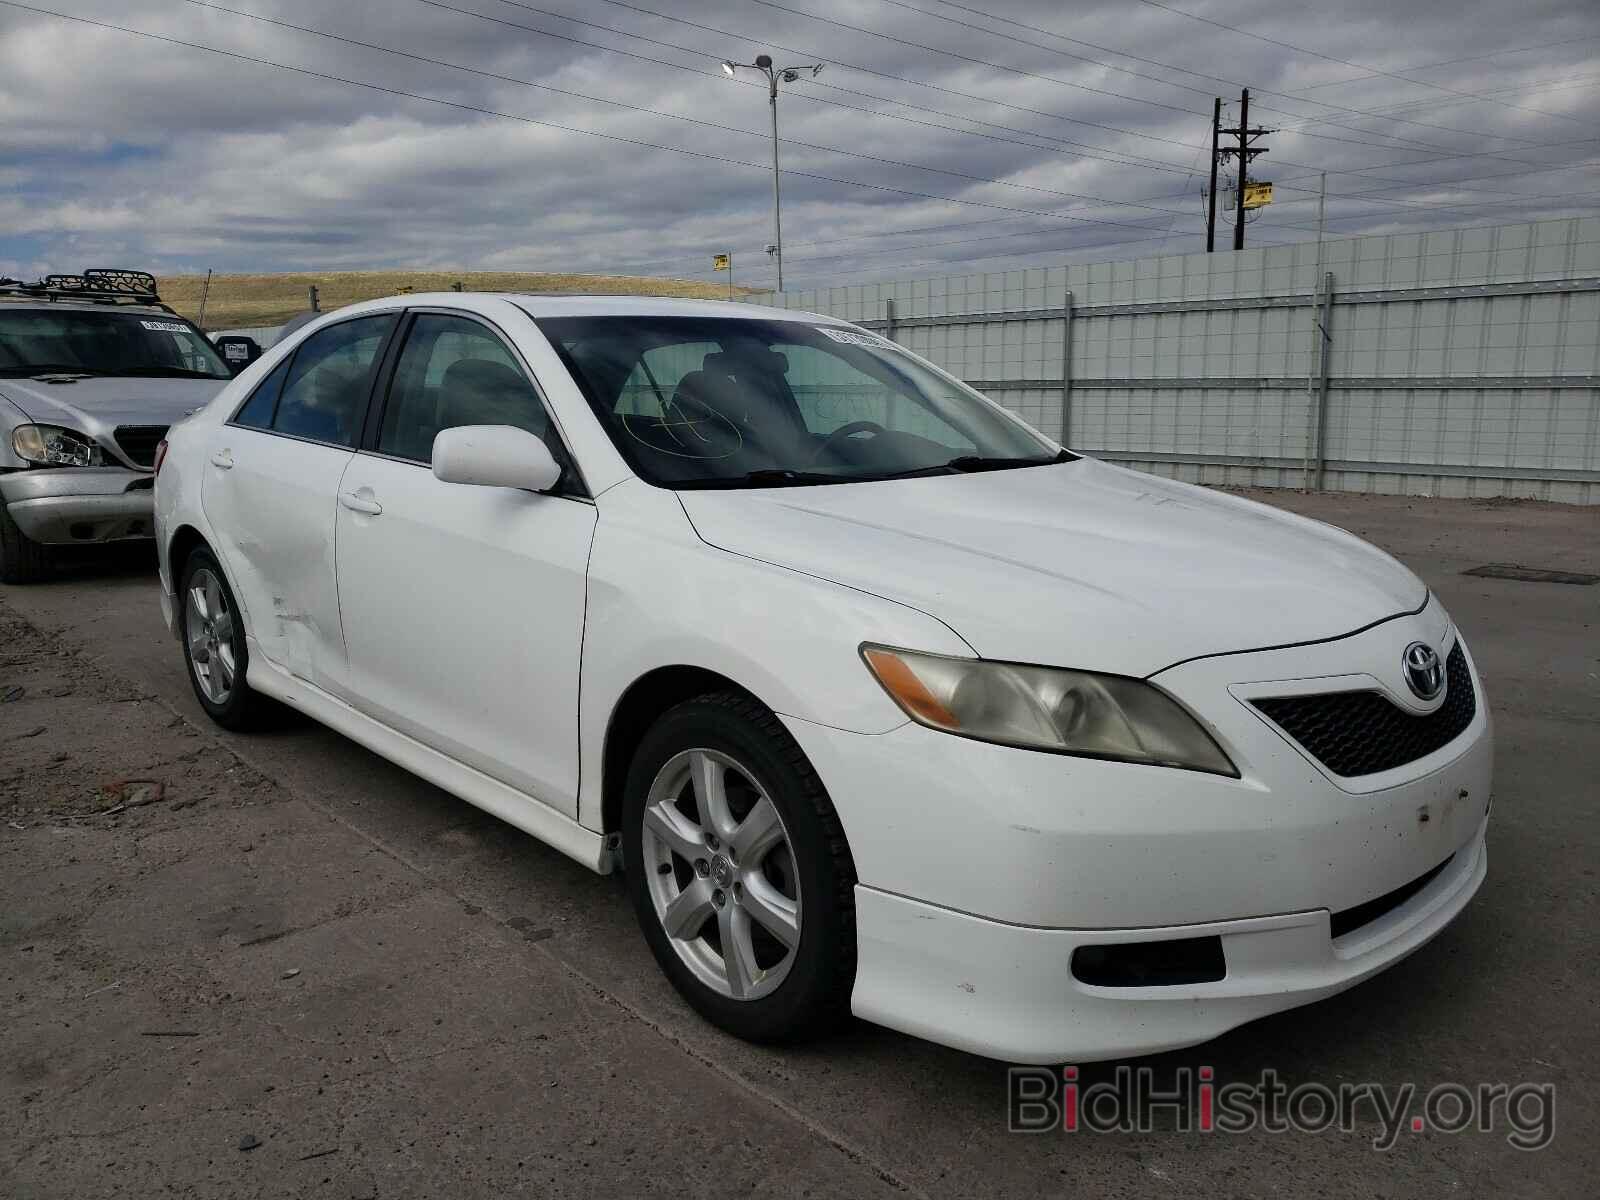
x=22, y=560
x=214, y=646
x=739, y=871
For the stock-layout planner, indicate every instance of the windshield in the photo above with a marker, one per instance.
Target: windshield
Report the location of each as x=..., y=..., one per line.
x=47, y=339
x=731, y=402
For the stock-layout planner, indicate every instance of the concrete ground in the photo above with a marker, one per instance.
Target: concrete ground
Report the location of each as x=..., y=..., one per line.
x=296, y=970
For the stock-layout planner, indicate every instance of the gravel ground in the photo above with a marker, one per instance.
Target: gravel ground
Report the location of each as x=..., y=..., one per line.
x=277, y=965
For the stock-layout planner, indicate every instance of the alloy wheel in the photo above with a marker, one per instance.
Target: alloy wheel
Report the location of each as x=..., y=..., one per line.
x=208, y=624
x=720, y=871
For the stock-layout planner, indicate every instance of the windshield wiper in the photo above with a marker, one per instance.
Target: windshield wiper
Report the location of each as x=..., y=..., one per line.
x=969, y=463
x=766, y=477
x=978, y=462
x=27, y=369
x=161, y=372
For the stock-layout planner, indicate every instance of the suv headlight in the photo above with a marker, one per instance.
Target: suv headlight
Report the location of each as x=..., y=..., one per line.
x=53, y=446
x=1044, y=708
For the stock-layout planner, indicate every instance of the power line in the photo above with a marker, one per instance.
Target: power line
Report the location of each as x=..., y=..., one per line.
x=437, y=62
x=1347, y=63
x=1123, y=158
x=465, y=107
x=1005, y=104
x=1450, y=62
x=1037, y=75
x=1169, y=67
x=834, y=60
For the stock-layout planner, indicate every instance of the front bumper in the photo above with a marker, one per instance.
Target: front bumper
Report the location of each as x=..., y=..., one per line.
x=982, y=868
x=1008, y=991
x=72, y=506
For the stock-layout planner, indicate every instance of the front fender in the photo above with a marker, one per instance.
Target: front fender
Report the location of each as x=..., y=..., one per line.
x=661, y=597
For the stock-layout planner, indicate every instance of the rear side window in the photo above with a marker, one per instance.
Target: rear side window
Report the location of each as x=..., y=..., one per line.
x=257, y=411
x=324, y=394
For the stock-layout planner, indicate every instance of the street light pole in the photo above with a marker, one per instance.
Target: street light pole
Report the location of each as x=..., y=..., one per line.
x=777, y=199
x=763, y=64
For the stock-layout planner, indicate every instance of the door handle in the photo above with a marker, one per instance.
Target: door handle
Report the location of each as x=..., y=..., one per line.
x=356, y=502
x=223, y=459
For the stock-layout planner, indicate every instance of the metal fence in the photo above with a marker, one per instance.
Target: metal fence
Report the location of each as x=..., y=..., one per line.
x=1461, y=362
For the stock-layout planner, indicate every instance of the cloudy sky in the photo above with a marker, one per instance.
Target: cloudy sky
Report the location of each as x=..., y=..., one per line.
x=596, y=135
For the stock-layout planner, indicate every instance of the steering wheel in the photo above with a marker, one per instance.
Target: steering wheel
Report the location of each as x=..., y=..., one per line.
x=845, y=431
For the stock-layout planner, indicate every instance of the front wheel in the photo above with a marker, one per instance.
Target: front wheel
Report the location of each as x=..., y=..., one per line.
x=22, y=560
x=739, y=870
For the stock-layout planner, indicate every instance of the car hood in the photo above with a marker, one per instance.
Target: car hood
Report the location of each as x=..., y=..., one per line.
x=1080, y=564
x=101, y=403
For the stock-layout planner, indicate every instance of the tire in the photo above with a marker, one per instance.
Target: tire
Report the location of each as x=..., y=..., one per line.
x=215, y=628
x=677, y=849
x=22, y=560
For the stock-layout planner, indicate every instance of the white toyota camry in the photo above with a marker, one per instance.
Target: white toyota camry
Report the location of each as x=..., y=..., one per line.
x=882, y=701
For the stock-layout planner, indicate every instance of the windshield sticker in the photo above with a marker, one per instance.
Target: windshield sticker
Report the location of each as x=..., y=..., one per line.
x=166, y=326
x=851, y=338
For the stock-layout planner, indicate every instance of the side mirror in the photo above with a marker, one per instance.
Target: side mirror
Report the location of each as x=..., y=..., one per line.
x=494, y=456
x=238, y=351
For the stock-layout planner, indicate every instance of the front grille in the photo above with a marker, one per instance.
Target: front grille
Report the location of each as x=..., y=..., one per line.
x=1341, y=923
x=1362, y=733
x=139, y=442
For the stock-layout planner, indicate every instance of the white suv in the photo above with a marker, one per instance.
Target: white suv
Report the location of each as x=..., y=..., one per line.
x=883, y=701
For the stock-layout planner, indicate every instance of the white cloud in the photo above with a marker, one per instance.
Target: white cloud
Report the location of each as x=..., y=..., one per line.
x=142, y=151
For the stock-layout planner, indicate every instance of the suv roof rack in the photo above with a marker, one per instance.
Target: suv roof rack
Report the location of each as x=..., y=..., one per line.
x=98, y=285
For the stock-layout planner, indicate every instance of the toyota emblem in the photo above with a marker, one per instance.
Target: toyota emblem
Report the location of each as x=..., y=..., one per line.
x=1423, y=671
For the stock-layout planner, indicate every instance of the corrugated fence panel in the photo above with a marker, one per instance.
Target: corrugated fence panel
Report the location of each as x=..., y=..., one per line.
x=1461, y=361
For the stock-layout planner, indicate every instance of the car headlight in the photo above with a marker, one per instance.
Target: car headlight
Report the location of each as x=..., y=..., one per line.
x=1045, y=708
x=52, y=446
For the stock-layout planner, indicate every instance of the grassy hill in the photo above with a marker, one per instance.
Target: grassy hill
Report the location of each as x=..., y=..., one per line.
x=244, y=300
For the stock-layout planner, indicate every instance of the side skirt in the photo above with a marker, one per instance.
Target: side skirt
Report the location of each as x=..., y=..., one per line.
x=513, y=807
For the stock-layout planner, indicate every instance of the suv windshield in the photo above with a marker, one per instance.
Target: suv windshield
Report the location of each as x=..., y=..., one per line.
x=734, y=402
x=49, y=338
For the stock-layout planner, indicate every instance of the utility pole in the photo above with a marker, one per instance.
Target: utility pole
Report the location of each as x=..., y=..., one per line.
x=1211, y=196
x=1244, y=159
x=1245, y=153
x=205, y=294
x=763, y=64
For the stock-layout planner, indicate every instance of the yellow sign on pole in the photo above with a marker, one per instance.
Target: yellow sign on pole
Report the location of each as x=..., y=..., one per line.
x=721, y=262
x=1257, y=195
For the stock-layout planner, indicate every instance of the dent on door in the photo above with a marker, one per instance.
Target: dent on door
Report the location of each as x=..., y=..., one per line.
x=273, y=506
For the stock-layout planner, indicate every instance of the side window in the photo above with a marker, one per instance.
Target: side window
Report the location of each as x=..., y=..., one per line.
x=325, y=395
x=257, y=411
x=453, y=371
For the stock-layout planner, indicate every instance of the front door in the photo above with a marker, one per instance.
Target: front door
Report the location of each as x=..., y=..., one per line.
x=463, y=606
x=271, y=477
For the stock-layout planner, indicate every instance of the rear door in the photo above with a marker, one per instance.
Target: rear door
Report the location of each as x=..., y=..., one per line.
x=463, y=606
x=271, y=486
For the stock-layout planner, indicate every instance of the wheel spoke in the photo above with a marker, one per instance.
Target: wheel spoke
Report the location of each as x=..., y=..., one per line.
x=711, y=790
x=688, y=910
x=757, y=834
x=682, y=836
x=772, y=910
x=214, y=603
x=223, y=661
x=197, y=603
x=223, y=628
x=197, y=646
x=738, y=955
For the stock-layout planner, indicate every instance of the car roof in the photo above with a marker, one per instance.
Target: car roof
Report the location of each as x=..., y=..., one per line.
x=567, y=304
x=47, y=304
